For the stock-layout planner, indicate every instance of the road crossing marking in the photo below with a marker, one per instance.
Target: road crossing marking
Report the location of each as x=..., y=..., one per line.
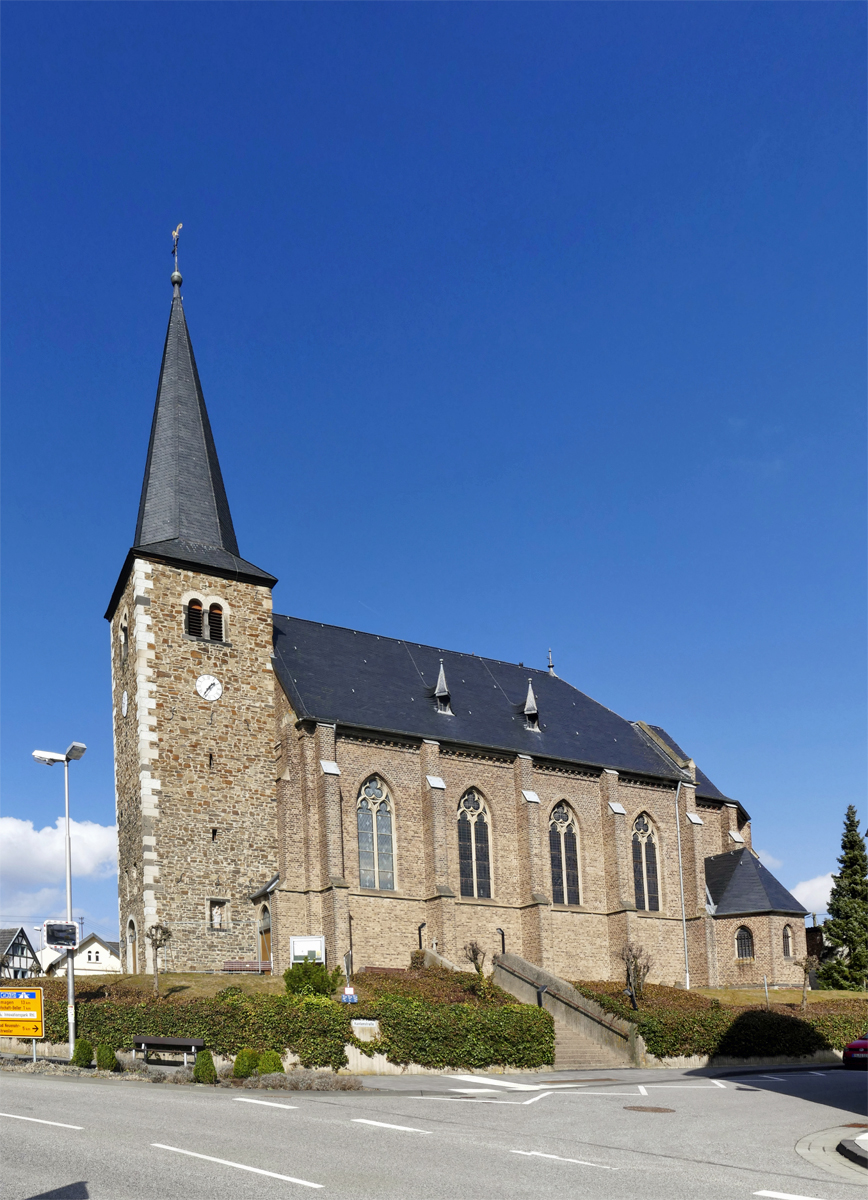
x=580, y=1161
x=224, y=1162
x=784, y=1196
x=642, y=1091
x=37, y=1121
x=385, y=1125
x=533, y=1099
x=269, y=1103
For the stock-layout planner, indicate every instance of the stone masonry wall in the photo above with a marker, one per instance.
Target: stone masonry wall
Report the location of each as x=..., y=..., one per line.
x=195, y=779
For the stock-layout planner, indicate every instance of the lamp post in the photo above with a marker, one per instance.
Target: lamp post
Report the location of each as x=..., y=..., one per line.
x=74, y=751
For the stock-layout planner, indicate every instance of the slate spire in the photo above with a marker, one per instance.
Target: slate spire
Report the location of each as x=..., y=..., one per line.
x=184, y=513
x=441, y=693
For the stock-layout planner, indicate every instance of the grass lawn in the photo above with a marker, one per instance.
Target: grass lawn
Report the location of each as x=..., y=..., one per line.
x=183, y=985
x=739, y=997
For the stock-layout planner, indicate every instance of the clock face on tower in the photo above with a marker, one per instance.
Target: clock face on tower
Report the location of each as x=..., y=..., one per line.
x=209, y=688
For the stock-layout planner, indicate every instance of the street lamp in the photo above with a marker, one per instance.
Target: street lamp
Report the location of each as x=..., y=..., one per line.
x=74, y=751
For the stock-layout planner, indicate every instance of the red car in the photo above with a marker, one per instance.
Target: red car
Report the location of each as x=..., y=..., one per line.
x=856, y=1054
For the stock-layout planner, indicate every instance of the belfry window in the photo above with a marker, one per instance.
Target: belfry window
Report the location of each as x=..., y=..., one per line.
x=474, y=865
x=788, y=941
x=374, y=823
x=195, y=623
x=645, y=865
x=215, y=623
x=744, y=943
x=564, y=854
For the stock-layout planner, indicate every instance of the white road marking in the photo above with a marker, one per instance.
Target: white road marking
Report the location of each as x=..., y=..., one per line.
x=534, y=1099
x=822, y=1073
x=224, y=1162
x=475, y=1091
x=37, y=1121
x=779, y=1078
x=784, y=1196
x=581, y=1162
x=385, y=1125
x=717, y=1083
x=270, y=1103
x=642, y=1091
x=501, y=1083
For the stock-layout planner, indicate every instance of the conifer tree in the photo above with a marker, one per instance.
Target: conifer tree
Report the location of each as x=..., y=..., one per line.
x=847, y=927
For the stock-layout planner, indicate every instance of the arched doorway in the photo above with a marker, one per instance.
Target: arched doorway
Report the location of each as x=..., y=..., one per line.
x=132, y=948
x=265, y=934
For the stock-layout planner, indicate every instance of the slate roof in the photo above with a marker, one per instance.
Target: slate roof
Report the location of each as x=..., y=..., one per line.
x=705, y=789
x=184, y=515
x=331, y=674
x=8, y=936
x=739, y=883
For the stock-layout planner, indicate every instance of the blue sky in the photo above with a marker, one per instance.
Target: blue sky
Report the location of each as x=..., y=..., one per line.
x=520, y=325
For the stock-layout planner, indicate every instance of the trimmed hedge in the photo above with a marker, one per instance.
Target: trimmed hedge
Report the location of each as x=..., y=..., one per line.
x=705, y=1027
x=316, y=1029
x=462, y=1035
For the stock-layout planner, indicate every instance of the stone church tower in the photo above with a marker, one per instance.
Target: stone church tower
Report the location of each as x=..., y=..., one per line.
x=193, y=696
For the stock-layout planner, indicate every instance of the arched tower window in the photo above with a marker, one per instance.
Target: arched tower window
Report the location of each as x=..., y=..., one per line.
x=265, y=934
x=564, y=854
x=374, y=820
x=645, y=865
x=132, y=948
x=788, y=941
x=215, y=623
x=195, y=623
x=743, y=943
x=474, y=864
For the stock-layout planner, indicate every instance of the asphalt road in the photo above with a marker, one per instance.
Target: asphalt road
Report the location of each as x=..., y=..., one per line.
x=581, y=1134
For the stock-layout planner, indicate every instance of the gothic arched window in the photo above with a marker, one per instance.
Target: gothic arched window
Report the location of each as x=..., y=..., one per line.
x=474, y=865
x=645, y=865
x=564, y=854
x=195, y=624
x=215, y=623
x=374, y=821
x=743, y=943
x=788, y=941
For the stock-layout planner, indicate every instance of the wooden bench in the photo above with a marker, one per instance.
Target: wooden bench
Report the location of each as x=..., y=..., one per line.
x=175, y=1045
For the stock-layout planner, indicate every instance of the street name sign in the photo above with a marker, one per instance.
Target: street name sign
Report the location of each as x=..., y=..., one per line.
x=21, y=1014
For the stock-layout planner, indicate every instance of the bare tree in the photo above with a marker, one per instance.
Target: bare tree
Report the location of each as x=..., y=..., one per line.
x=474, y=954
x=808, y=964
x=158, y=936
x=637, y=964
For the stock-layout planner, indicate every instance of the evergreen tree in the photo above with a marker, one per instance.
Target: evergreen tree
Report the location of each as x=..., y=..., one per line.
x=847, y=927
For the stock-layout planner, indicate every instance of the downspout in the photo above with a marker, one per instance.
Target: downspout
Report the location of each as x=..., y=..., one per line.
x=681, y=884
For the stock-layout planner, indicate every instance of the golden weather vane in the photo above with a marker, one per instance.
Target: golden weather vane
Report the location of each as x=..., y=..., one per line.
x=176, y=233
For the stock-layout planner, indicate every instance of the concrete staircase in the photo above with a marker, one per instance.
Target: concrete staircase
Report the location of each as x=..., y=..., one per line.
x=575, y=1052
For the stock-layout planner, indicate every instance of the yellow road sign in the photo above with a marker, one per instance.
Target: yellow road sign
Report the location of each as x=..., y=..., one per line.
x=21, y=1013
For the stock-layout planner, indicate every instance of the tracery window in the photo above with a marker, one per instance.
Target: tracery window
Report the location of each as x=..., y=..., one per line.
x=374, y=821
x=564, y=854
x=645, y=865
x=788, y=941
x=743, y=943
x=474, y=864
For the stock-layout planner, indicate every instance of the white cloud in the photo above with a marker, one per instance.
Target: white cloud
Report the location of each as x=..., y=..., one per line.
x=814, y=893
x=769, y=860
x=33, y=859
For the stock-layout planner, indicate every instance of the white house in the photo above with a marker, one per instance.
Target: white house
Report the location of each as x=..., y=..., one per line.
x=17, y=957
x=93, y=956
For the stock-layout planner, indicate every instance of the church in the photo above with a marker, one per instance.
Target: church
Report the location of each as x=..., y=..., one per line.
x=279, y=780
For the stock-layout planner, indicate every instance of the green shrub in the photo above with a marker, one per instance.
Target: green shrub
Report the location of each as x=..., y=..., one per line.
x=311, y=979
x=106, y=1060
x=464, y=1035
x=269, y=1063
x=82, y=1055
x=204, y=1070
x=245, y=1064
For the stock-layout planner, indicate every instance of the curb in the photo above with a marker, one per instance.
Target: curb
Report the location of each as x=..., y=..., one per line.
x=851, y=1149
